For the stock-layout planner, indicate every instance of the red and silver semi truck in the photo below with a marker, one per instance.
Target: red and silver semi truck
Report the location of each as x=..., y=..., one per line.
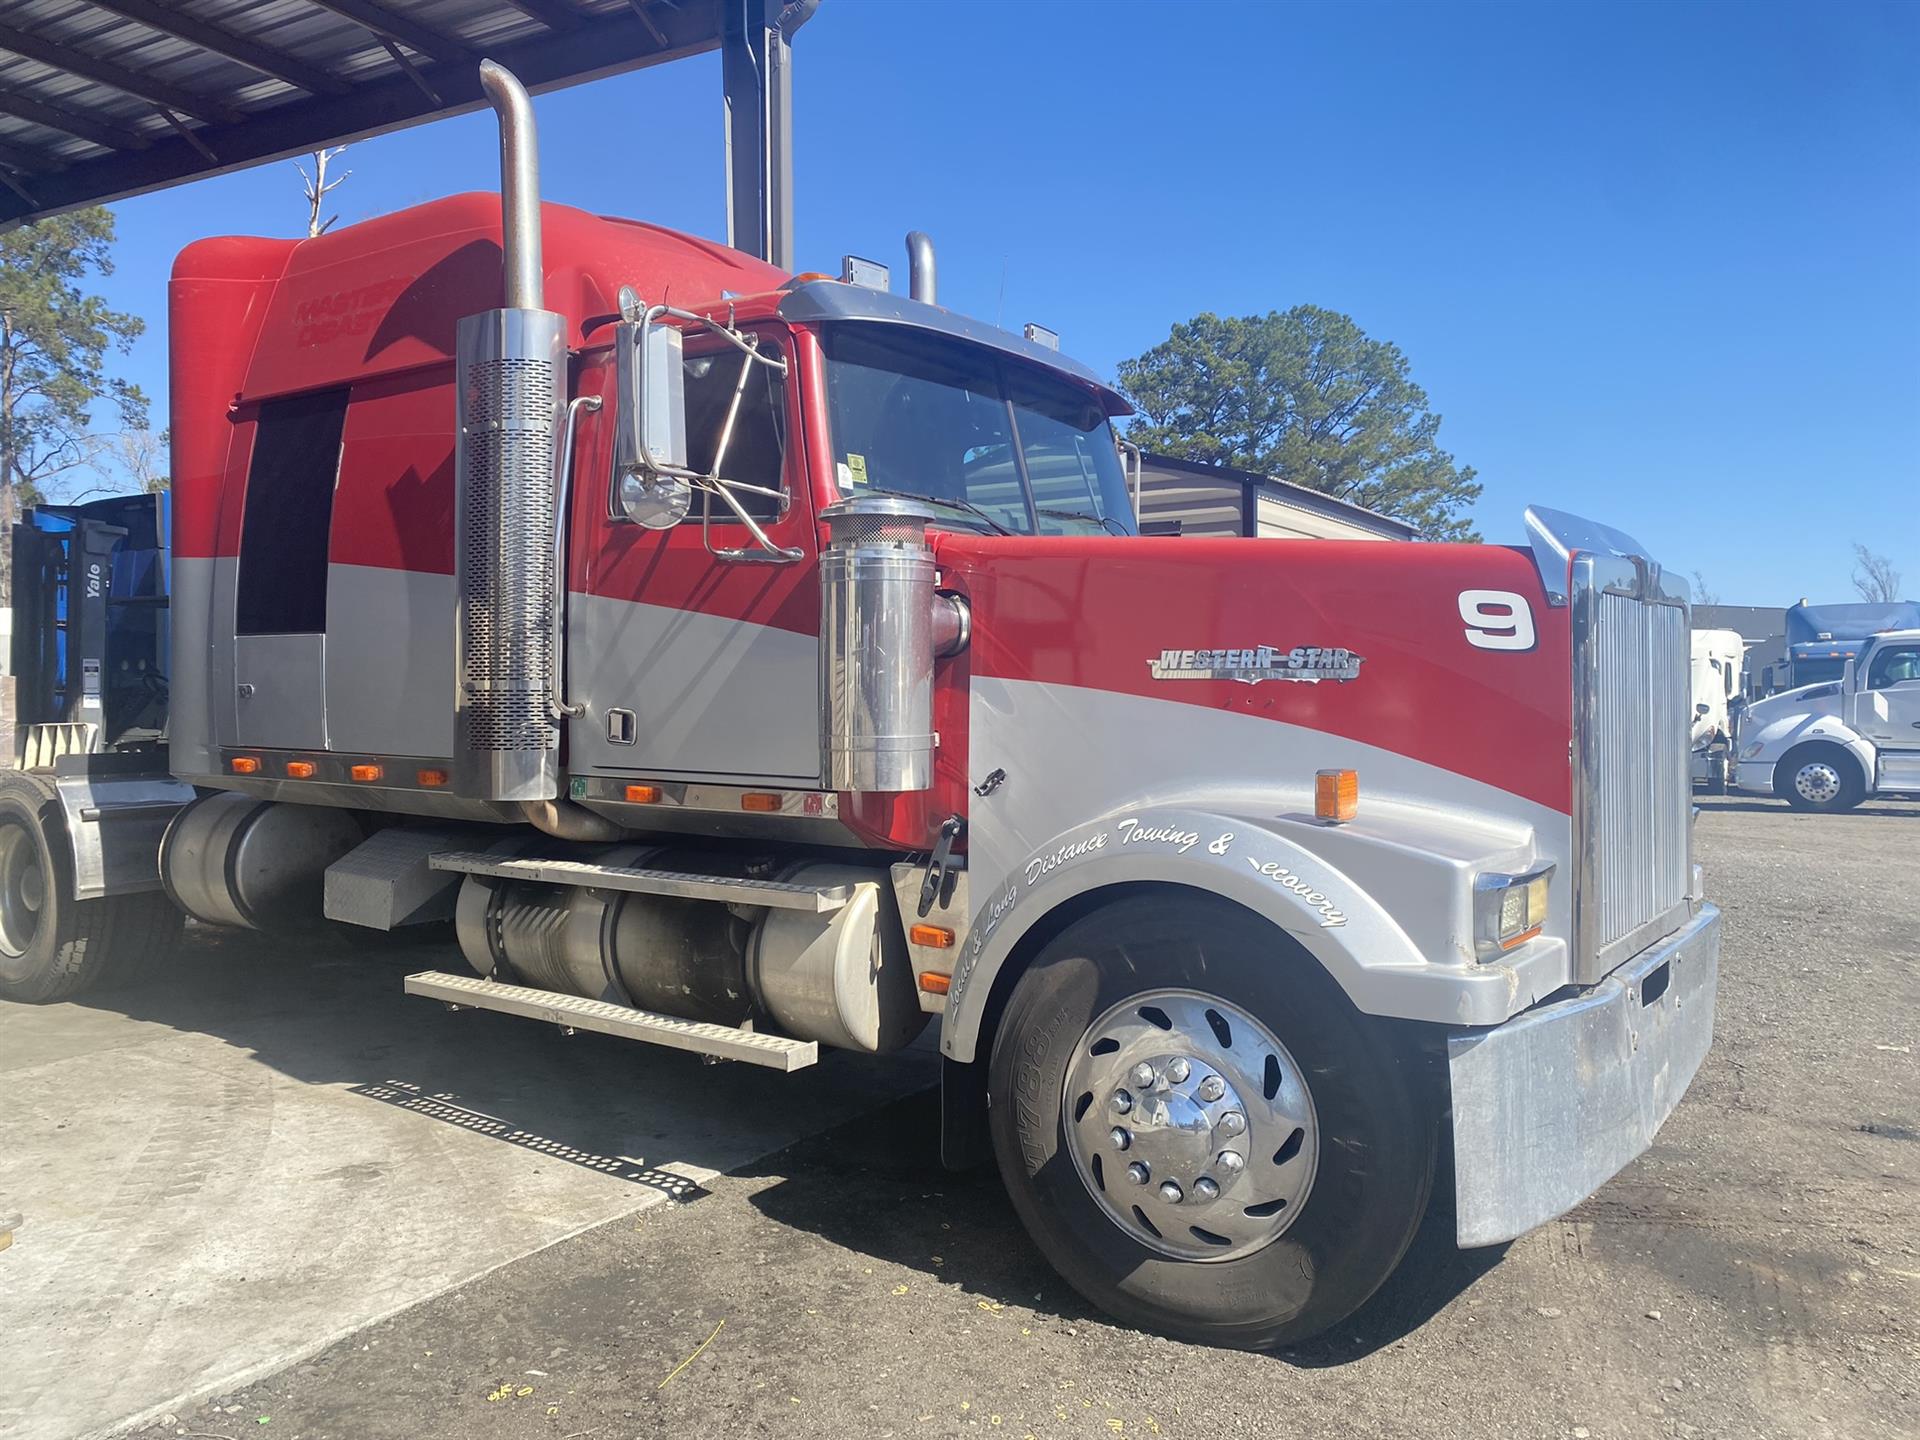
x=750, y=662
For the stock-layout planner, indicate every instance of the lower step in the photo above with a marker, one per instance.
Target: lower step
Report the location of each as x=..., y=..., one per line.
x=776, y=1052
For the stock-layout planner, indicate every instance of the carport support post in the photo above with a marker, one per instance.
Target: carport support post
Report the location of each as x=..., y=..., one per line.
x=756, y=71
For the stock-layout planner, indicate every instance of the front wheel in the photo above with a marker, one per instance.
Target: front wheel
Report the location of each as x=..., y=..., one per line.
x=1200, y=1132
x=1820, y=777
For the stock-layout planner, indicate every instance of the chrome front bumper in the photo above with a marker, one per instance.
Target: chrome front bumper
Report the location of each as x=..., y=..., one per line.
x=1549, y=1106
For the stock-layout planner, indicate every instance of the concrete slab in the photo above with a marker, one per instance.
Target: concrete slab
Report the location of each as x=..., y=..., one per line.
x=227, y=1169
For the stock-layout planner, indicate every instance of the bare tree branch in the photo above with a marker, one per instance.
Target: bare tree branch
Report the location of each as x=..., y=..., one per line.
x=1874, y=576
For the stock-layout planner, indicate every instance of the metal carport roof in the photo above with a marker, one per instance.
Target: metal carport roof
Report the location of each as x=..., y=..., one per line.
x=102, y=99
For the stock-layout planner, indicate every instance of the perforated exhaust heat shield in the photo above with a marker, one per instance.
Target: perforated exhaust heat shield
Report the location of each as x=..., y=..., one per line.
x=513, y=392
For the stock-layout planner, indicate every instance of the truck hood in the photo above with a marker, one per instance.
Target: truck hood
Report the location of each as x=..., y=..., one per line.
x=1822, y=699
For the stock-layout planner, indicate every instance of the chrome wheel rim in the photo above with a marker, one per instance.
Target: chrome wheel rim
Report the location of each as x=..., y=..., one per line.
x=1817, y=782
x=1191, y=1125
x=23, y=889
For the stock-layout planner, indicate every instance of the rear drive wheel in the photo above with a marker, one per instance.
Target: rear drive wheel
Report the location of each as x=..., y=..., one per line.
x=53, y=946
x=1819, y=777
x=1200, y=1132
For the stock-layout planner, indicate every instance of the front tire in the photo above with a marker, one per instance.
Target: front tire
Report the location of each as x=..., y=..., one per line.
x=53, y=946
x=1196, y=1012
x=1819, y=778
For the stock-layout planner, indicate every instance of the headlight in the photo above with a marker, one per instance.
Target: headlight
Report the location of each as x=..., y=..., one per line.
x=1508, y=910
x=1752, y=750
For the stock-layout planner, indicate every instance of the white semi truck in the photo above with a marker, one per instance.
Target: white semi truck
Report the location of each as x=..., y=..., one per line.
x=1718, y=660
x=1830, y=746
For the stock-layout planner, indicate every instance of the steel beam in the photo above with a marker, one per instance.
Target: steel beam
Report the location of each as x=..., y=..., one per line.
x=104, y=133
x=546, y=61
x=117, y=77
x=250, y=53
x=421, y=39
x=556, y=15
x=756, y=74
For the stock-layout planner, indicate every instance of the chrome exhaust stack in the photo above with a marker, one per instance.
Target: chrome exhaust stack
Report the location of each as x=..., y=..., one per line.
x=922, y=282
x=511, y=370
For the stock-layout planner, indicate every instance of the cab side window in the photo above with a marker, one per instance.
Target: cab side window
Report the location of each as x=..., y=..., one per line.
x=757, y=448
x=1894, y=666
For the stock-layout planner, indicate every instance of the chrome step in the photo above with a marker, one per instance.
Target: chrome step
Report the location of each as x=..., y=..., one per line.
x=776, y=1052
x=776, y=894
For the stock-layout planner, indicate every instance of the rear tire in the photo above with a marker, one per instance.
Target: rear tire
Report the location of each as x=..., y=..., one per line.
x=53, y=946
x=1819, y=778
x=1336, y=1132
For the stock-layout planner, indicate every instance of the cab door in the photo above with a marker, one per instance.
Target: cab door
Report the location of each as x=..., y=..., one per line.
x=693, y=666
x=1887, y=712
x=280, y=587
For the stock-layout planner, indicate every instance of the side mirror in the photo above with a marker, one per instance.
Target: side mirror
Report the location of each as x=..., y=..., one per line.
x=1701, y=710
x=650, y=433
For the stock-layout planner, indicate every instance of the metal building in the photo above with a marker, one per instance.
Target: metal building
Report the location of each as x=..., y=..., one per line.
x=1184, y=497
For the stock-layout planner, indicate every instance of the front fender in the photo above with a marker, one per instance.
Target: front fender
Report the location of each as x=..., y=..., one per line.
x=1270, y=864
x=1769, y=745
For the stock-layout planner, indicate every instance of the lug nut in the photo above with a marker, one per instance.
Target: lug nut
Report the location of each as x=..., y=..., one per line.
x=1212, y=1088
x=1230, y=1161
x=1139, y=1173
x=1233, y=1122
x=1122, y=1139
x=1205, y=1188
x=1178, y=1070
x=1121, y=1103
x=1143, y=1074
x=1170, y=1192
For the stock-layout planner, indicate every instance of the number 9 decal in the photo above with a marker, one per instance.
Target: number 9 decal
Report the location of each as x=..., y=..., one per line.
x=1497, y=619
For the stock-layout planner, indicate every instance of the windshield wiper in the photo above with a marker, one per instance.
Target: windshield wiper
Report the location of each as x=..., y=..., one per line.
x=1105, y=522
x=954, y=501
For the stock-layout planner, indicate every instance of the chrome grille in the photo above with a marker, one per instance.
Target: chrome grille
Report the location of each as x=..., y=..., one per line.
x=1634, y=798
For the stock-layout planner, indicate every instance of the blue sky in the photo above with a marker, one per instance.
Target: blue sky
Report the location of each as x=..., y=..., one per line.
x=1659, y=264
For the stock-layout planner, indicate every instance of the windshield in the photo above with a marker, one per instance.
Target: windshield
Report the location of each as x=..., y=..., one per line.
x=1000, y=443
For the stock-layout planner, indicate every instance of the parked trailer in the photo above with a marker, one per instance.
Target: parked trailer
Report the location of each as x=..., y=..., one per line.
x=747, y=663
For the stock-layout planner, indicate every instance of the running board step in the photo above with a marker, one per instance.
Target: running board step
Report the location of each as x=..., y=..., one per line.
x=776, y=1052
x=777, y=894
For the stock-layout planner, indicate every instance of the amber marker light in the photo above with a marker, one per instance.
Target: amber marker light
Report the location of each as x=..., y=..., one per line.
x=366, y=774
x=1336, y=795
x=431, y=779
x=935, y=983
x=300, y=769
x=643, y=794
x=245, y=764
x=934, y=937
x=760, y=801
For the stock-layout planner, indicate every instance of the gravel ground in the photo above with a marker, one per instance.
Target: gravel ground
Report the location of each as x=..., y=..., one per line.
x=1754, y=1274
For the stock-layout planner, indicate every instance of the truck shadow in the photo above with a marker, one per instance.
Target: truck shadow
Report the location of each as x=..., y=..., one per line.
x=325, y=1009
x=875, y=1186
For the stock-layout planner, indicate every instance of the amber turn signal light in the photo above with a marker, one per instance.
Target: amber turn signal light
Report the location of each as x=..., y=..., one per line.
x=366, y=774
x=643, y=794
x=761, y=801
x=431, y=779
x=934, y=983
x=1336, y=795
x=245, y=764
x=300, y=769
x=935, y=937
